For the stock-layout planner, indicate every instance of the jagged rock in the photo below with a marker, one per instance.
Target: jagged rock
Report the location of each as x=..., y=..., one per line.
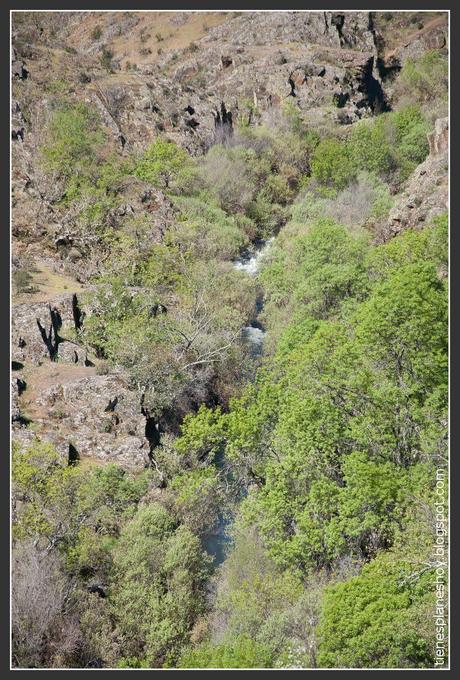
x=17, y=121
x=438, y=140
x=72, y=353
x=241, y=59
x=426, y=191
x=15, y=411
x=18, y=70
x=71, y=408
x=27, y=339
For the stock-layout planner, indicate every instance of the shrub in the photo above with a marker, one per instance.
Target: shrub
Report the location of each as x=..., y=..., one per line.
x=369, y=621
x=370, y=148
x=164, y=164
x=242, y=652
x=22, y=281
x=425, y=79
x=228, y=175
x=331, y=163
x=106, y=58
x=159, y=572
x=411, y=133
x=206, y=230
x=96, y=33
x=366, y=197
x=73, y=139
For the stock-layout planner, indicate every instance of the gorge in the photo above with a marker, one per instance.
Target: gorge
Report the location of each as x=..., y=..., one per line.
x=229, y=337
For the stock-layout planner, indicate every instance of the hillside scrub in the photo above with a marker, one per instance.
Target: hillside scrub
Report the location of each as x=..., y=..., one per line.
x=313, y=463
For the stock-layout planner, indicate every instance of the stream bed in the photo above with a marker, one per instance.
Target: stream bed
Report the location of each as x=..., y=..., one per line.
x=217, y=541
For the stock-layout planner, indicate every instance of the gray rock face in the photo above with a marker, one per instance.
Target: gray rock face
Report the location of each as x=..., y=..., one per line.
x=438, y=140
x=15, y=390
x=426, y=193
x=18, y=69
x=54, y=318
x=98, y=415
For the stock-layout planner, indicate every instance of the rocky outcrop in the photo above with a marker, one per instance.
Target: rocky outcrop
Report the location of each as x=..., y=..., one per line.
x=426, y=193
x=18, y=385
x=432, y=36
x=317, y=58
x=40, y=332
x=438, y=140
x=85, y=414
x=18, y=67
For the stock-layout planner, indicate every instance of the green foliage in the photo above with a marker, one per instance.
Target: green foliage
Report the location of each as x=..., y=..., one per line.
x=411, y=134
x=368, y=506
x=47, y=487
x=257, y=602
x=159, y=573
x=106, y=58
x=74, y=137
x=327, y=457
x=328, y=431
x=80, y=513
x=424, y=79
x=368, y=621
x=96, y=33
x=206, y=231
x=197, y=498
x=402, y=326
x=389, y=146
x=201, y=434
x=206, y=304
x=370, y=148
x=331, y=164
x=412, y=246
x=165, y=165
x=322, y=268
x=242, y=652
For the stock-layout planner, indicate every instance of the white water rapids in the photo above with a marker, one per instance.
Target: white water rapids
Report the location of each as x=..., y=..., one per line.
x=250, y=263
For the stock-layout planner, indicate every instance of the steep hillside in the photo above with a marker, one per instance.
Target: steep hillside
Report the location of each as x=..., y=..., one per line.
x=228, y=336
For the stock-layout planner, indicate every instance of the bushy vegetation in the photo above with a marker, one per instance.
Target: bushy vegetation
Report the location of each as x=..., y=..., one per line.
x=424, y=79
x=102, y=544
x=341, y=436
x=74, y=137
x=323, y=454
x=390, y=146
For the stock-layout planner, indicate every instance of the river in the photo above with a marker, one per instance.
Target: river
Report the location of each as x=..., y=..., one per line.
x=217, y=541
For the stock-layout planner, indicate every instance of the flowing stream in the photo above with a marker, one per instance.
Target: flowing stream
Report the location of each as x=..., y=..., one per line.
x=216, y=541
x=250, y=262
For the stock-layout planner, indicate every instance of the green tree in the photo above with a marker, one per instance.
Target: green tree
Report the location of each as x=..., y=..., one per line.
x=331, y=163
x=74, y=138
x=370, y=621
x=164, y=165
x=158, y=578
